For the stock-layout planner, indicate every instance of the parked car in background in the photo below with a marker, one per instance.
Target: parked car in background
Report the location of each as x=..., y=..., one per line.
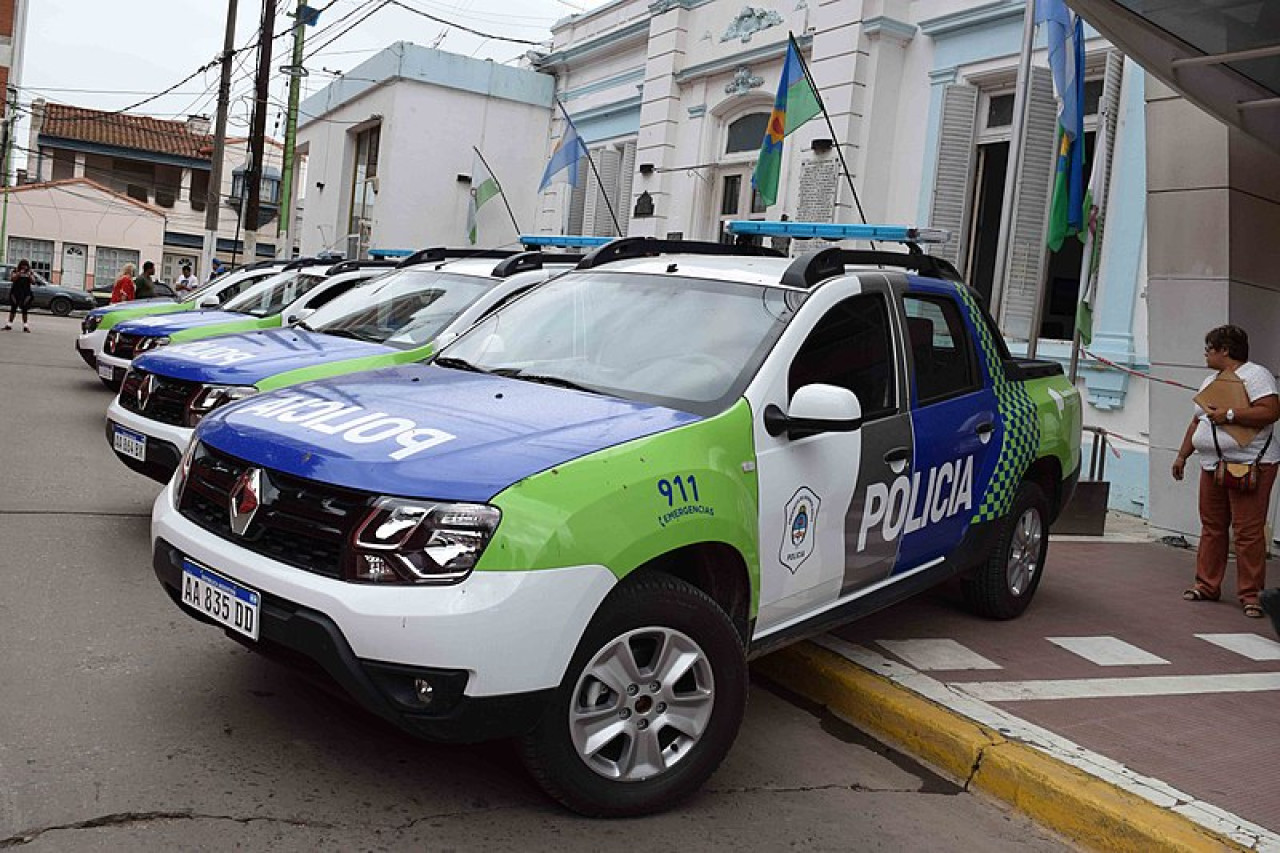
x=48, y=297
x=102, y=293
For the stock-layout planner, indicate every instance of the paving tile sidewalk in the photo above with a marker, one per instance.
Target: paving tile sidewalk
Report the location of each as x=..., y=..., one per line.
x=1110, y=658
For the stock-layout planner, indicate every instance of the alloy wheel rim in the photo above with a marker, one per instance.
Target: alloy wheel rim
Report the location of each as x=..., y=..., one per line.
x=642, y=704
x=1024, y=552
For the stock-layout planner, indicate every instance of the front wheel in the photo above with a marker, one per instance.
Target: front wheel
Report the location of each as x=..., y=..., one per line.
x=649, y=706
x=1003, y=586
x=60, y=306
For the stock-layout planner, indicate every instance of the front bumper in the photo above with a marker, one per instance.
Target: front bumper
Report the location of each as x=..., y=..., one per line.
x=503, y=638
x=118, y=367
x=89, y=346
x=165, y=443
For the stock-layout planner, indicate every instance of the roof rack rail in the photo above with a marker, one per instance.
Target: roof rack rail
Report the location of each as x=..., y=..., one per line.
x=299, y=263
x=532, y=260
x=258, y=265
x=625, y=248
x=814, y=267
x=351, y=266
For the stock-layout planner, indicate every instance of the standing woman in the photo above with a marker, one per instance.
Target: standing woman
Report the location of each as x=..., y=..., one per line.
x=122, y=290
x=20, y=294
x=1222, y=508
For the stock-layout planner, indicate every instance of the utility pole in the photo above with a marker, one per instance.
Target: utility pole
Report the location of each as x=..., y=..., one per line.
x=302, y=18
x=213, y=195
x=257, y=132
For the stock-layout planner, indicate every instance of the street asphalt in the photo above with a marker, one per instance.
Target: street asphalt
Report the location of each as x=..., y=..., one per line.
x=124, y=724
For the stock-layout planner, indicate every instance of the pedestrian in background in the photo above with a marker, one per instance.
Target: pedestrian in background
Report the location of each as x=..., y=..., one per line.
x=186, y=282
x=216, y=268
x=20, y=294
x=1225, y=505
x=144, y=286
x=122, y=290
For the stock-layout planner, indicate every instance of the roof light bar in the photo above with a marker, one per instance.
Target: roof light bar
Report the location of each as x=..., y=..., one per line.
x=564, y=241
x=833, y=231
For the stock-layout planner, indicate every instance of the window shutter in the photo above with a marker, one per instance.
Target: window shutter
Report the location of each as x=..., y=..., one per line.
x=578, y=199
x=1027, y=249
x=1110, y=106
x=603, y=192
x=626, y=178
x=953, y=180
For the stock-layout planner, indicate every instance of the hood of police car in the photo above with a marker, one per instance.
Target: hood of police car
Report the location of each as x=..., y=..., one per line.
x=249, y=358
x=166, y=324
x=422, y=431
x=103, y=310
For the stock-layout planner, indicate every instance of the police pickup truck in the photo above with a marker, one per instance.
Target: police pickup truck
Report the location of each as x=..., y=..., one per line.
x=577, y=524
x=283, y=299
x=431, y=296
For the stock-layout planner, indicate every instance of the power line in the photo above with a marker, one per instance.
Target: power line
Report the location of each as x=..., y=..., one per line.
x=465, y=29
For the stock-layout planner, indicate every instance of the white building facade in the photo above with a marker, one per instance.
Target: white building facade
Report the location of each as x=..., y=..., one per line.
x=389, y=151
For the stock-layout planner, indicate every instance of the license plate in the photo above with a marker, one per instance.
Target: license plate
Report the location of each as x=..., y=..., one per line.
x=130, y=443
x=107, y=372
x=221, y=599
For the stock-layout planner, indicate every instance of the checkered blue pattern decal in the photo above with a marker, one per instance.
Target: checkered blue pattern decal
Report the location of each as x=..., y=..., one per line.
x=1020, y=432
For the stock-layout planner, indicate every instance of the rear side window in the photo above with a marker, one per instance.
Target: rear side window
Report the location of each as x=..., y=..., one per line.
x=942, y=356
x=850, y=347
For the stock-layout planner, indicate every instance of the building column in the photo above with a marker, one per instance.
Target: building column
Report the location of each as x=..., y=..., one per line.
x=661, y=114
x=839, y=65
x=79, y=167
x=1213, y=210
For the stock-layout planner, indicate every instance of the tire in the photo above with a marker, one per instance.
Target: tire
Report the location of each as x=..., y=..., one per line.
x=1002, y=588
x=60, y=306
x=625, y=641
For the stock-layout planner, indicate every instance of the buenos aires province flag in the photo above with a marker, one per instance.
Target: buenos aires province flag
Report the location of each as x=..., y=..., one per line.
x=796, y=103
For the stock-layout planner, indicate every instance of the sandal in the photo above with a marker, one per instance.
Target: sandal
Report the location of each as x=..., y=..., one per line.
x=1197, y=594
x=1253, y=611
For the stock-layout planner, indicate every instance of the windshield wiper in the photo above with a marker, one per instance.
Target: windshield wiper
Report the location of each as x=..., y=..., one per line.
x=459, y=364
x=542, y=379
x=345, y=333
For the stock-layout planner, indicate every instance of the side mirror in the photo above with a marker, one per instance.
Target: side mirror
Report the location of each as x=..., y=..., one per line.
x=209, y=301
x=815, y=408
x=298, y=316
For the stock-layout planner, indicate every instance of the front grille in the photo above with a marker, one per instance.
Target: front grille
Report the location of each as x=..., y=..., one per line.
x=299, y=522
x=167, y=402
x=122, y=344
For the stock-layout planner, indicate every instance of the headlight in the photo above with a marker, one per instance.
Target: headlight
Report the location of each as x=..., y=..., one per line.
x=91, y=323
x=184, y=468
x=211, y=397
x=145, y=344
x=413, y=542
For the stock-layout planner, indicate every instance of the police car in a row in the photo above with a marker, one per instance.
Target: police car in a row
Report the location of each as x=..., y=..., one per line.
x=577, y=523
x=398, y=318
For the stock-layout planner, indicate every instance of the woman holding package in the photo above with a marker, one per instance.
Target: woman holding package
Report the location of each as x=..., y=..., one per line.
x=1235, y=481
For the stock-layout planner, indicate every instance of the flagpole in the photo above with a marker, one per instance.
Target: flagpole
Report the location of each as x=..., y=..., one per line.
x=501, y=191
x=835, y=140
x=592, y=163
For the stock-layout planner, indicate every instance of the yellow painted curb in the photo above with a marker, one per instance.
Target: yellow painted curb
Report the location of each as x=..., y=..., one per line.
x=1085, y=808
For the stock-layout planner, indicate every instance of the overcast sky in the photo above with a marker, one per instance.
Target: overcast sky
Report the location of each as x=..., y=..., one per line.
x=110, y=55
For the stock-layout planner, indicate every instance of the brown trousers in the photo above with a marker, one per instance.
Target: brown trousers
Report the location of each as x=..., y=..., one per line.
x=1223, y=509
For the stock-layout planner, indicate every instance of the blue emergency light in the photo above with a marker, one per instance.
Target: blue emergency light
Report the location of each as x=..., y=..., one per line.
x=386, y=254
x=564, y=241
x=834, y=231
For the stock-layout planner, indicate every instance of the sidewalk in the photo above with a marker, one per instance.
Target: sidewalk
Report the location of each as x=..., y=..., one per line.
x=1112, y=710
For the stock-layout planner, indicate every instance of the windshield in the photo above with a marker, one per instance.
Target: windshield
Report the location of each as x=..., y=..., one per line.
x=404, y=309
x=268, y=298
x=203, y=289
x=689, y=344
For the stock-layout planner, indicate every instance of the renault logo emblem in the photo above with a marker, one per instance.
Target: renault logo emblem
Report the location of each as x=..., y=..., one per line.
x=145, y=389
x=245, y=498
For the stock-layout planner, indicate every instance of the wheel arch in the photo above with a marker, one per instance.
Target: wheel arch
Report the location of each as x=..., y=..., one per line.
x=1046, y=472
x=717, y=569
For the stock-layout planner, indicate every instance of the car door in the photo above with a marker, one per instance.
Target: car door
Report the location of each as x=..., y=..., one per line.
x=955, y=423
x=813, y=549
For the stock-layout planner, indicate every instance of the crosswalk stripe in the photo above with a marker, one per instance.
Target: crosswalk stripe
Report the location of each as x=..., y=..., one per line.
x=1111, y=688
x=1107, y=651
x=936, y=654
x=1252, y=646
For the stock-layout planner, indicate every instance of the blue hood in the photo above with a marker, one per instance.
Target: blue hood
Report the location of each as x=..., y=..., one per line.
x=120, y=306
x=427, y=432
x=249, y=358
x=166, y=324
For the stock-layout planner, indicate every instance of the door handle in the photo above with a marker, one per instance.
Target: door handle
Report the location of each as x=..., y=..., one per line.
x=898, y=454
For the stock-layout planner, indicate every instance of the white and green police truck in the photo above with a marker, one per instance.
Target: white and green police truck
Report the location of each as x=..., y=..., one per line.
x=578, y=524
